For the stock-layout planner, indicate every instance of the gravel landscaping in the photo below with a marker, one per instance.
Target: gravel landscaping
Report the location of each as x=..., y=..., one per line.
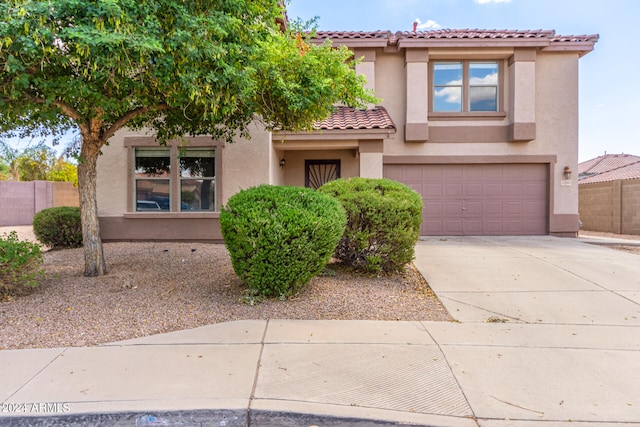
x=154, y=288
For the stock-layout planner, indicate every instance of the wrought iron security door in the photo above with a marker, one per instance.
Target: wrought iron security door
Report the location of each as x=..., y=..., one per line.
x=318, y=172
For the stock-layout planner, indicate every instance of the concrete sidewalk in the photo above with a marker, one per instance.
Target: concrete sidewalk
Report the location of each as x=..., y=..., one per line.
x=568, y=352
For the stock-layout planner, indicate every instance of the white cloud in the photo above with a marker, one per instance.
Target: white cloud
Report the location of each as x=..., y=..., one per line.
x=491, y=1
x=429, y=24
x=453, y=93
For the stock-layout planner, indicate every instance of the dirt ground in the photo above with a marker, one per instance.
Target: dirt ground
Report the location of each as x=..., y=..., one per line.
x=633, y=247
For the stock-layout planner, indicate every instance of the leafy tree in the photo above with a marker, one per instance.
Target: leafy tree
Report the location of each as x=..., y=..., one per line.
x=63, y=171
x=180, y=67
x=34, y=163
x=7, y=162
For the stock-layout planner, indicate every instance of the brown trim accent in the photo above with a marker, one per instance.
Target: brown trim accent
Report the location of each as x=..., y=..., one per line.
x=187, y=228
x=522, y=132
x=564, y=225
x=417, y=55
x=371, y=146
x=196, y=141
x=326, y=135
x=171, y=215
x=471, y=134
x=416, y=132
x=315, y=145
x=399, y=160
x=469, y=115
x=523, y=55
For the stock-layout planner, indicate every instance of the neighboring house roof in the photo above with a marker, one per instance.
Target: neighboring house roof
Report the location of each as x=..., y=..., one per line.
x=609, y=167
x=545, y=39
x=353, y=118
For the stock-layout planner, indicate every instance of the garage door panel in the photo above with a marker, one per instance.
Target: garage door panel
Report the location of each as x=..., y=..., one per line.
x=453, y=227
x=452, y=190
x=492, y=227
x=473, y=208
x=532, y=226
x=514, y=226
x=473, y=227
x=433, y=190
x=473, y=190
x=451, y=172
x=453, y=208
x=479, y=199
x=492, y=190
x=534, y=190
x=493, y=209
x=432, y=209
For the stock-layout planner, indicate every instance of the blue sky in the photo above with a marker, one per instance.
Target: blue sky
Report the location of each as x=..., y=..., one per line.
x=609, y=92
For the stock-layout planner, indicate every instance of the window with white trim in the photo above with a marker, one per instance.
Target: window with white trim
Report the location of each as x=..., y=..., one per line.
x=465, y=86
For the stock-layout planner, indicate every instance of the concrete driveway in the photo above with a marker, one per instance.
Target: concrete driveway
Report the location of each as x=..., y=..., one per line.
x=569, y=348
x=541, y=280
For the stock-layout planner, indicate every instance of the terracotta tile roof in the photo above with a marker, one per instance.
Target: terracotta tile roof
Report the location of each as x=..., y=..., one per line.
x=477, y=34
x=353, y=118
x=610, y=167
x=353, y=34
x=541, y=38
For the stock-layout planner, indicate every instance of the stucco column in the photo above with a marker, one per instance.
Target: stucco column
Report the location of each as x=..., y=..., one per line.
x=370, y=152
x=367, y=67
x=417, y=69
x=522, y=95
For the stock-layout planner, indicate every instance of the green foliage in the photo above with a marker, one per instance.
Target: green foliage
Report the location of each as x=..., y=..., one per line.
x=63, y=171
x=35, y=162
x=173, y=66
x=280, y=237
x=58, y=228
x=20, y=264
x=180, y=67
x=383, y=223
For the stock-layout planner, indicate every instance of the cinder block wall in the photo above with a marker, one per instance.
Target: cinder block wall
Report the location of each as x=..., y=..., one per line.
x=631, y=206
x=19, y=201
x=611, y=207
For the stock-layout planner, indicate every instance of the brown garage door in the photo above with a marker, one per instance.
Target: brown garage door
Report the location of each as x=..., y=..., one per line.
x=478, y=199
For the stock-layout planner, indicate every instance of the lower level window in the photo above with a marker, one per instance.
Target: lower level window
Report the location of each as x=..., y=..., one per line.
x=184, y=182
x=197, y=180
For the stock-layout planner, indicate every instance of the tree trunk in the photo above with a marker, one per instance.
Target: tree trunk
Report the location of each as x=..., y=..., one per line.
x=94, y=264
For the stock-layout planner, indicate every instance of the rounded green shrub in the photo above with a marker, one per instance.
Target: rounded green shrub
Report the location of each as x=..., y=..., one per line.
x=59, y=227
x=280, y=237
x=383, y=223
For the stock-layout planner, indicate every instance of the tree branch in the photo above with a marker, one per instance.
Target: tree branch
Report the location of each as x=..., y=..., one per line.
x=66, y=110
x=131, y=115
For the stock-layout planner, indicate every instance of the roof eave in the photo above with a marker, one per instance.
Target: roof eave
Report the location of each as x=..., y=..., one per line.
x=335, y=134
x=471, y=42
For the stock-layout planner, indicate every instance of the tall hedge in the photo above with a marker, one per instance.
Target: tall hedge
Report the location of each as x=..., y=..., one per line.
x=280, y=237
x=383, y=223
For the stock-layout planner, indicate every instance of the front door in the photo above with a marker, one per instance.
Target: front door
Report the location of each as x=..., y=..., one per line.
x=319, y=172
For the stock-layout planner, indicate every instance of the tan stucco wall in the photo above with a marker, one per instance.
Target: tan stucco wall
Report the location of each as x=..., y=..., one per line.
x=247, y=163
x=112, y=167
x=612, y=207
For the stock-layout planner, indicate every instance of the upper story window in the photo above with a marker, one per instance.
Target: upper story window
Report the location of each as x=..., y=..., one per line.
x=465, y=86
x=186, y=182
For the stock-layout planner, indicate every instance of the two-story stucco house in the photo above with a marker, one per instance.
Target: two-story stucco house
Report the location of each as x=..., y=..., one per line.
x=483, y=123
